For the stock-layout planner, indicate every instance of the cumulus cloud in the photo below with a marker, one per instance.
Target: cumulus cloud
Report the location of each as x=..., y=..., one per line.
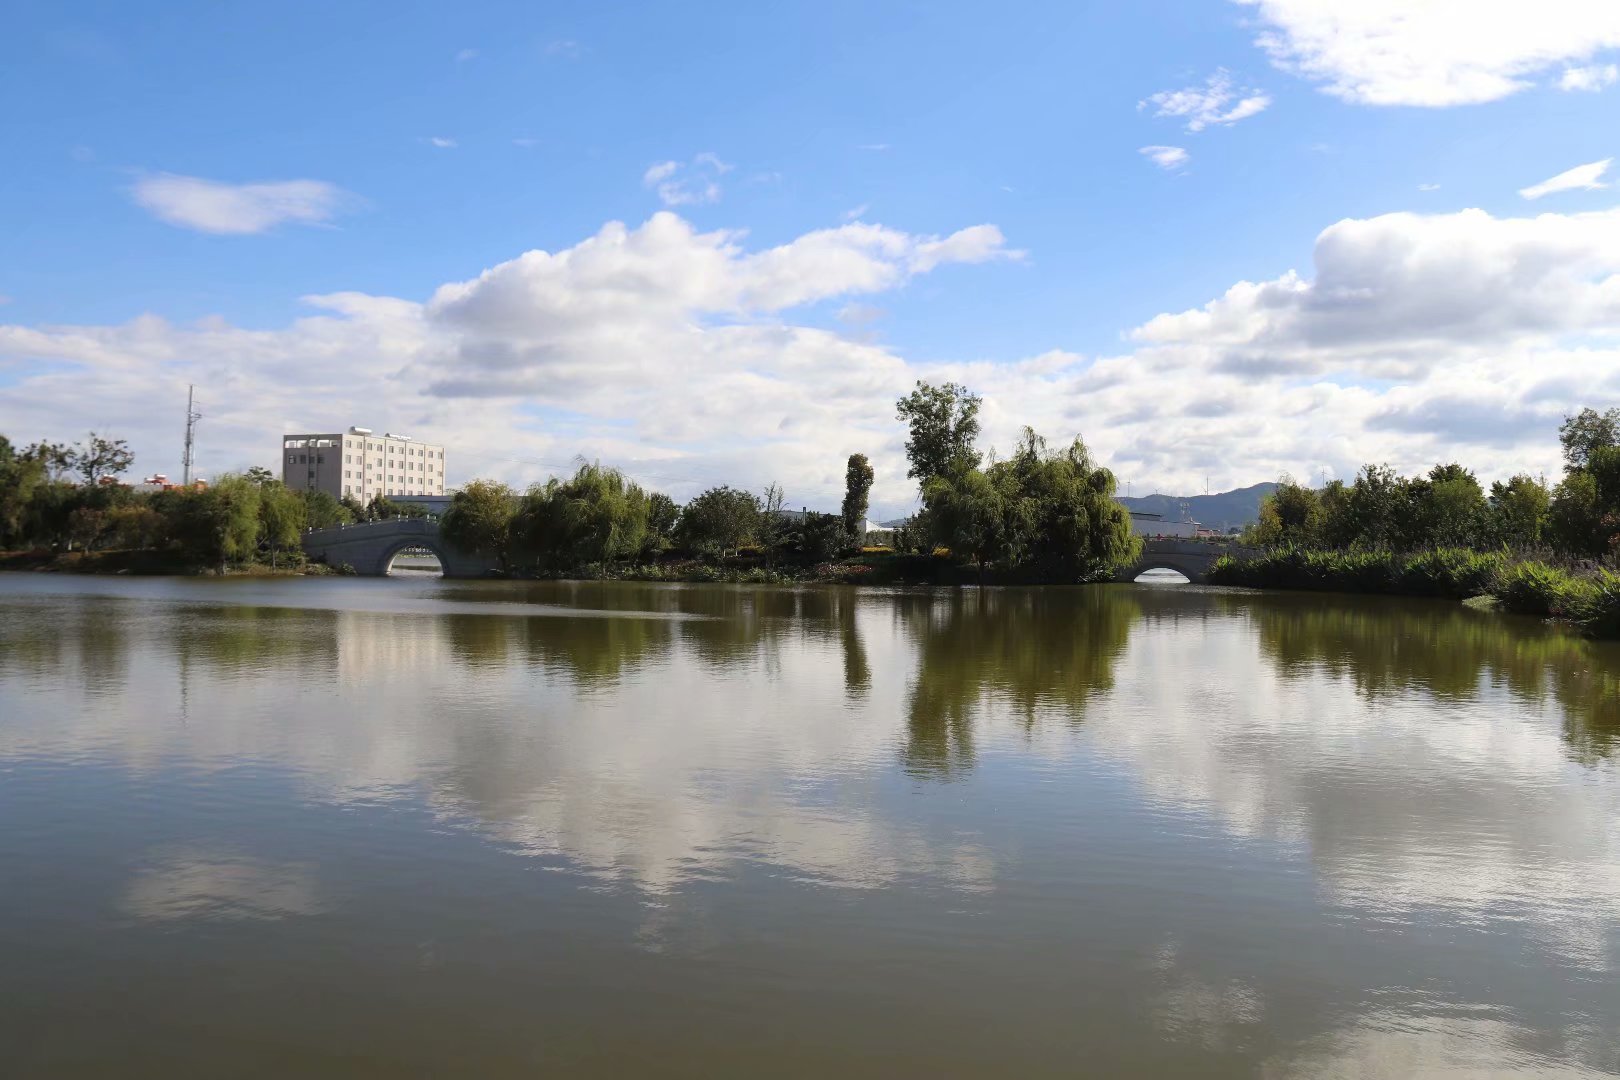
x=214, y=206
x=1169, y=158
x=678, y=354
x=1430, y=52
x=1588, y=177
x=680, y=184
x=1216, y=102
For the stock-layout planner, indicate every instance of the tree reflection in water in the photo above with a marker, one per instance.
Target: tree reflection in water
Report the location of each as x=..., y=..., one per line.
x=1392, y=648
x=1025, y=651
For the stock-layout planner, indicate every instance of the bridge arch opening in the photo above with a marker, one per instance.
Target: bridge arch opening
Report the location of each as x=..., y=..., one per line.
x=1161, y=575
x=413, y=560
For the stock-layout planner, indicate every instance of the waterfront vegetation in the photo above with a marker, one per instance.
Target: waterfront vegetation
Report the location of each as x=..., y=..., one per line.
x=1039, y=515
x=64, y=507
x=1524, y=547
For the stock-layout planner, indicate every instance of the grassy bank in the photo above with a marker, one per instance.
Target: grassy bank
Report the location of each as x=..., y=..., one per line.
x=1589, y=599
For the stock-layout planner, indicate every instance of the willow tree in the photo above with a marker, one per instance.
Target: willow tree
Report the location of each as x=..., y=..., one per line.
x=592, y=518
x=479, y=518
x=1053, y=511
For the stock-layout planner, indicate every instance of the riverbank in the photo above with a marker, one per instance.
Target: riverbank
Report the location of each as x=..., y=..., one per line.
x=144, y=563
x=1587, y=598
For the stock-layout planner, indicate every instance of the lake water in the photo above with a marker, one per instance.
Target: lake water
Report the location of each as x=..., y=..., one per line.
x=312, y=828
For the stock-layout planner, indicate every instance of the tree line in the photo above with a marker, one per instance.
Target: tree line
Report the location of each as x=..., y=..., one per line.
x=1380, y=510
x=67, y=497
x=1041, y=511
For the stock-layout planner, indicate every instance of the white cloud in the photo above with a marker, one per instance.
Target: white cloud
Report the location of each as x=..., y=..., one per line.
x=442, y=142
x=566, y=48
x=1428, y=187
x=854, y=213
x=1216, y=102
x=675, y=353
x=525, y=141
x=1592, y=78
x=466, y=54
x=1588, y=177
x=214, y=206
x=1431, y=52
x=876, y=146
x=687, y=185
x=1166, y=157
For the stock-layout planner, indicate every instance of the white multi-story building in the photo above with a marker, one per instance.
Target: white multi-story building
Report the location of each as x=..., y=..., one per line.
x=362, y=464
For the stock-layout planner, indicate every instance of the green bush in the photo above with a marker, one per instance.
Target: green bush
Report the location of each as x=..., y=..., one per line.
x=1533, y=588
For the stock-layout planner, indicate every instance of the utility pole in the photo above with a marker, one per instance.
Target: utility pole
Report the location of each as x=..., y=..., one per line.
x=192, y=416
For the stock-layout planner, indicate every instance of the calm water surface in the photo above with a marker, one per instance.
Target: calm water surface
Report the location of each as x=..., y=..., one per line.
x=424, y=828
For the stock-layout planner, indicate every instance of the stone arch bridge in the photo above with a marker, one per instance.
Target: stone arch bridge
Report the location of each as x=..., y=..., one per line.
x=1189, y=558
x=370, y=547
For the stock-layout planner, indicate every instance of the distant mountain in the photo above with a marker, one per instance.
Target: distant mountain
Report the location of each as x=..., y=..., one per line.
x=1221, y=511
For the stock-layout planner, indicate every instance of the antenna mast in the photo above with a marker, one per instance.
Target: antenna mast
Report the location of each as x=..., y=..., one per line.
x=192, y=416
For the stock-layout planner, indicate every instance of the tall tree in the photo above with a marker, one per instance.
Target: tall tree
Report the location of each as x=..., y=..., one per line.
x=259, y=476
x=283, y=514
x=857, y=486
x=944, y=423
x=1585, y=432
x=98, y=457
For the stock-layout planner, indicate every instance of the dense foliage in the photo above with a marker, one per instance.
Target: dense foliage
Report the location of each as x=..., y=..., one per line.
x=58, y=498
x=1047, y=511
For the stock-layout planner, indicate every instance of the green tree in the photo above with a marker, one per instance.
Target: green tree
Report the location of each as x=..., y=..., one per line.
x=1585, y=432
x=1585, y=511
x=719, y=521
x=1518, y=511
x=944, y=423
x=479, y=519
x=662, y=516
x=968, y=513
x=1448, y=508
x=594, y=517
x=97, y=458
x=283, y=513
x=1291, y=514
x=322, y=511
x=1062, y=513
x=21, y=477
x=820, y=537
x=857, y=486
x=219, y=525
x=259, y=476
x=1377, y=510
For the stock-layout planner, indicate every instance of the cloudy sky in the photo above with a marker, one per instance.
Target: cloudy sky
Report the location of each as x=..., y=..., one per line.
x=1221, y=240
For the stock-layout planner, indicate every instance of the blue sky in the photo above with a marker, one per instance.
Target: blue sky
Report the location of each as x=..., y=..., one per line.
x=438, y=143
